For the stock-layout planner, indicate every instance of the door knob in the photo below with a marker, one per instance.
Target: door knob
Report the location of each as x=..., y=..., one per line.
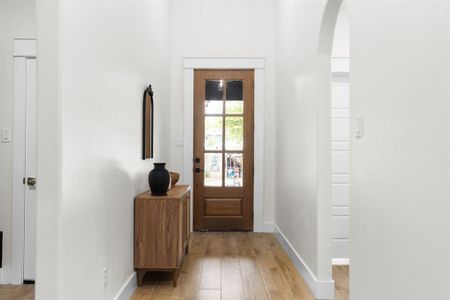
x=31, y=181
x=198, y=170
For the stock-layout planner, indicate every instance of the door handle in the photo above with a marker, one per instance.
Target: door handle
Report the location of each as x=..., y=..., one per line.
x=31, y=181
x=198, y=170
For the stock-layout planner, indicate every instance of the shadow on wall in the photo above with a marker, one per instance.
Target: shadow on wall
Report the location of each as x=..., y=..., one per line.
x=99, y=214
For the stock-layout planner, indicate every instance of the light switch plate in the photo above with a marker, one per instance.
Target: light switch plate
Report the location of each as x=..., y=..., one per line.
x=6, y=135
x=179, y=142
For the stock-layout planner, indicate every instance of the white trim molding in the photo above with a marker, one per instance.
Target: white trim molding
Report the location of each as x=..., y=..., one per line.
x=224, y=63
x=25, y=47
x=321, y=289
x=258, y=64
x=128, y=288
x=340, y=261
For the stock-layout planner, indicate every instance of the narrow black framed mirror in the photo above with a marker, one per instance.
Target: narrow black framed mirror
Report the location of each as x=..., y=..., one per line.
x=147, y=138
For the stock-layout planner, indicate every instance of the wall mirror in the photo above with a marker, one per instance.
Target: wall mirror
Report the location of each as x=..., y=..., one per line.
x=147, y=140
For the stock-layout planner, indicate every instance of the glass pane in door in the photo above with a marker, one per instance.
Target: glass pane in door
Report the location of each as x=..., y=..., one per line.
x=213, y=169
x=213, y=107
x=234, y=90
x=234, y=99
x=234, y=169
x=213, y=133
x=214, y=90
x=234, y=133
x=233, y=107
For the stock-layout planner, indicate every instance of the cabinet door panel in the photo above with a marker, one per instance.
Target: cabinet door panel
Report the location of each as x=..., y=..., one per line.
x=156, y=230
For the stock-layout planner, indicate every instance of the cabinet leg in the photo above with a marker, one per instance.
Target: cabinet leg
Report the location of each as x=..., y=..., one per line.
x=140, y=276
x=176, y=275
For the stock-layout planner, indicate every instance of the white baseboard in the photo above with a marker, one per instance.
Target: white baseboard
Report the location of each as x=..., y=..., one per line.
x=5, y=278
x=340, y=261
x=127, y=290
x=266, y=227
x=321, y=289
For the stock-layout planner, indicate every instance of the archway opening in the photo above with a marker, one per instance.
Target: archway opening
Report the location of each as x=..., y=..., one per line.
x=340, y=154
x=333, y=108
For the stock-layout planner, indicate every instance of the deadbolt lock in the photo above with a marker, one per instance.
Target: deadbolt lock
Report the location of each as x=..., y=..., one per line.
x=198, y=170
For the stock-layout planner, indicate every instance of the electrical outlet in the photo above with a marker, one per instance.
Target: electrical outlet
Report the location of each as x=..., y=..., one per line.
x=359, y=127
x=105, y=278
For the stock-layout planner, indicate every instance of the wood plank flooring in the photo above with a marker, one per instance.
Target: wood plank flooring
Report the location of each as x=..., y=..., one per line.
x=341, y=279
x=224, y=266
x=16, y=292
x=232, y=266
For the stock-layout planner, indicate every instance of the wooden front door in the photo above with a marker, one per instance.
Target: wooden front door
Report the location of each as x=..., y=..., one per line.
x=223, y=150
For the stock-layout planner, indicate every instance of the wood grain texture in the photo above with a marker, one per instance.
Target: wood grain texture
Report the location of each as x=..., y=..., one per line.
x=230, y=265
x=341, y=279
x=280, y=279
x=223, y=207
x=221, y=216
x=156, y=234
x=175, y=193
x=15, y=292
x=148, y=126
x=161, y=231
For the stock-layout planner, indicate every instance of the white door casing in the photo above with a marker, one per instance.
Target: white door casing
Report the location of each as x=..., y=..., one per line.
x=29, y=265
x=258, y=64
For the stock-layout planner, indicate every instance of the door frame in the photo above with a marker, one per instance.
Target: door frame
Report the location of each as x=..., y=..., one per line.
x=258, y=64
x=24, y=48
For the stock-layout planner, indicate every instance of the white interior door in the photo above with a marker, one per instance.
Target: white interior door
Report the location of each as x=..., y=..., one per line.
x=29, y=264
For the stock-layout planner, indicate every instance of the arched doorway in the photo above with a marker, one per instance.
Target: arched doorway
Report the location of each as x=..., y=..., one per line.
x=334, y=151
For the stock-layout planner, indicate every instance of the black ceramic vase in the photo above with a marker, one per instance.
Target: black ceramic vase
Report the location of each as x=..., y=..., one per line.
x=159, y=179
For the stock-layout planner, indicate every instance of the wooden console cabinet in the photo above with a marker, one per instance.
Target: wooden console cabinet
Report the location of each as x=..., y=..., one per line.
x=161, y=231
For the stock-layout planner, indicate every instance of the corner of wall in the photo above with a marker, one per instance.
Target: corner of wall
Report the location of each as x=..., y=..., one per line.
x=321, y=289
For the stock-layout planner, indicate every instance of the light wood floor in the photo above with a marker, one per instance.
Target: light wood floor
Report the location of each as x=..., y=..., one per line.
x=234, y=265
x=231, y=265
x=16, y=292
x=341, y=279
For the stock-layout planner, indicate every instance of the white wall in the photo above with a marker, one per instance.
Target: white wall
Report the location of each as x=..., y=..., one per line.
x=341, y=38
x=105, y=53
x=223, y=28
x=400, y=224
x=400, y=168
x=17, y=19
x=297, y=126
x=95, y=60
x=49, y=166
